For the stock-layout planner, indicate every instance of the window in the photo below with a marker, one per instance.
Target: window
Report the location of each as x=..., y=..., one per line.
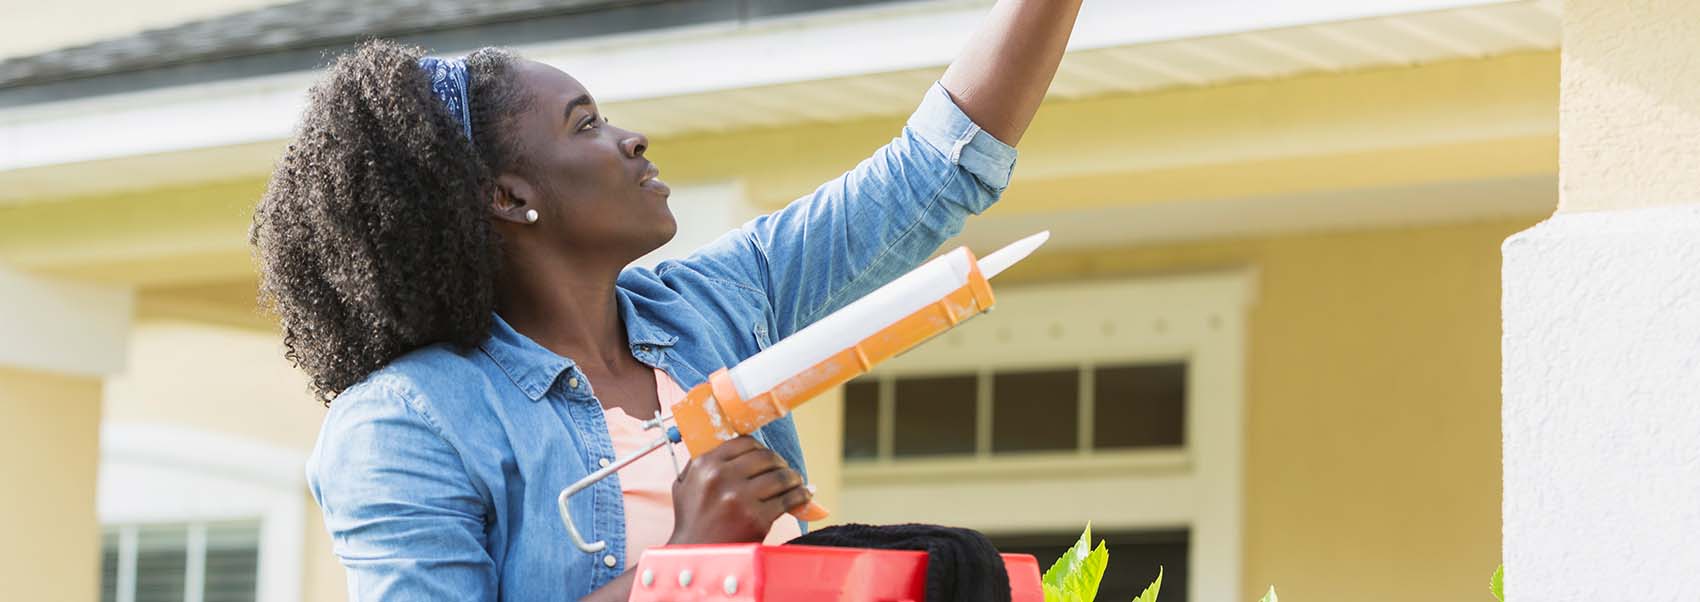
x=1122, y=406
x=198, y=516
x=940, y=411
x=1115, y=403
x=197, y=562
x=1035, y=410
x=1139, y=406
x=861, y=419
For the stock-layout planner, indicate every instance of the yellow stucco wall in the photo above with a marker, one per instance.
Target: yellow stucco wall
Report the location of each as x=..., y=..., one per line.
x=233, y=382
x=1629, y=105
x=1372, y=469
x=50, y=439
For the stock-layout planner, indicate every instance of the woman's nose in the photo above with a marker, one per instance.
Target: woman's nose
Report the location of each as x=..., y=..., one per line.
x=635, y=144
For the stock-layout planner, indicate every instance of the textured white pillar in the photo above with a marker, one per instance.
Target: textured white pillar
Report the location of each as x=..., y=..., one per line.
x=57, y=341
x=1602, y=323
x=1602, y=407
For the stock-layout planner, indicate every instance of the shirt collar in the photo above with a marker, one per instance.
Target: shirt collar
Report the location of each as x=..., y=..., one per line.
x=534, y=369
x=639, y=330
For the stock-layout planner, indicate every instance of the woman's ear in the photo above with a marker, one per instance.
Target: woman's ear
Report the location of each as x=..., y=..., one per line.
x=514, y=200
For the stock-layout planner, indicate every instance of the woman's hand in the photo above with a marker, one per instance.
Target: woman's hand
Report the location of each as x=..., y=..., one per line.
x=733, y=494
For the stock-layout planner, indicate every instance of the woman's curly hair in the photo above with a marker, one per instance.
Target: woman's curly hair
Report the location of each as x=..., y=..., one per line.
x=374, y=235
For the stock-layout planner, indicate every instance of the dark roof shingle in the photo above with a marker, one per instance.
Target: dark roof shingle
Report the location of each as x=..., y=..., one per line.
x=291, y=25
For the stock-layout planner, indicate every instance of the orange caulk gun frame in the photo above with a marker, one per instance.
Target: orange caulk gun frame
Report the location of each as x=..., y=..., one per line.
x=714, y=412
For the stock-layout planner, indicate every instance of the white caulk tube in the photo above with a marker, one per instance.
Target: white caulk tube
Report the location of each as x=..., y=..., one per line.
x=867, y=316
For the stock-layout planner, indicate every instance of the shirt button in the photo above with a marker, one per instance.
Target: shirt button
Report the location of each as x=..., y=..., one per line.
x=609, y=561
x=604, y=462
x=643, y=348
x=572, y=383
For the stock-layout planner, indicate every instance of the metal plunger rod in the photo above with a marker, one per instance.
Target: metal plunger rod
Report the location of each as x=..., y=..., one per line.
x=670, y=438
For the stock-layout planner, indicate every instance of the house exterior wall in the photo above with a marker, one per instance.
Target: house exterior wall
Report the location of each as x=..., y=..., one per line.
x=1372, y=372
x=1372, y=426
x=1371, y=406
x=50, y=438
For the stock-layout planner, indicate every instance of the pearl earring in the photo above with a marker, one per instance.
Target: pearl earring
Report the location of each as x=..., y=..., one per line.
x=531, y=216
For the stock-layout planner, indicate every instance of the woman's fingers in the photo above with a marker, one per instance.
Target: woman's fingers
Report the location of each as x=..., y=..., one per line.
x=775, y=483
x=732, y=448
x=792, y=498
x=755, y=462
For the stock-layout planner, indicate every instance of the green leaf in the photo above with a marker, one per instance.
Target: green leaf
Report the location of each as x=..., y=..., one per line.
x=1083, y=584
x=1496, y=584
x=1075, y=576
x=1270, y=597
x=1077, y=553
x=1150, y=594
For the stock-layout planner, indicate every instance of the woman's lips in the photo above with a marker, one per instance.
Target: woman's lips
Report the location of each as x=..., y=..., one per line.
x=651, y=180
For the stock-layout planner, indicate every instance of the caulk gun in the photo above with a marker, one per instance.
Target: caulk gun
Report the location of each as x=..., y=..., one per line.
x=908, y=311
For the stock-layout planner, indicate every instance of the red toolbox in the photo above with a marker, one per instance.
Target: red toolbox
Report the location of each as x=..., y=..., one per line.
x=757, y=573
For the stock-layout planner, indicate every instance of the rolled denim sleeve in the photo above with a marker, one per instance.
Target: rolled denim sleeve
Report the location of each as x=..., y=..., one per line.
x=403, y=516
x=871, y=224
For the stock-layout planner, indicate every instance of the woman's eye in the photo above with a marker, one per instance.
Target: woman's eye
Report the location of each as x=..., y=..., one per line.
x=593, y=123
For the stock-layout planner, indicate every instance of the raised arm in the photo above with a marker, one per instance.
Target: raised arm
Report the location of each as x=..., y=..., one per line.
x=953, y=159
x=1003, y=72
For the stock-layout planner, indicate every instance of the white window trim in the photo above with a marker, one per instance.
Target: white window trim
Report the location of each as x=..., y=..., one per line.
x=212, y=477
x=1198, y=317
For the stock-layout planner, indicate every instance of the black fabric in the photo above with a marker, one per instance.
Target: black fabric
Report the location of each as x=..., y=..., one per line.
x=962, y=565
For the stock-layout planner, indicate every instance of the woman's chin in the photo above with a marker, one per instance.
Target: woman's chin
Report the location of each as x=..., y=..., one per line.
x=666, y=230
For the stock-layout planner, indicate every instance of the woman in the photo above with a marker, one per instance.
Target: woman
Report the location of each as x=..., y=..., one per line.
x=446, y=244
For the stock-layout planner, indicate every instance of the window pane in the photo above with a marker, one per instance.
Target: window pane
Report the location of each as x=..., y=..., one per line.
x=861, y=419
x=1139, y=406
x=109, y=566
x=1137, y=553
x=935, y=416
x=1035, y=411
x=161, y=560
x=233, y=562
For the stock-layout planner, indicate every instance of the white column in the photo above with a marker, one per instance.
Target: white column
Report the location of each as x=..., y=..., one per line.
x=1602, y=323
x=1602, y=407
x=71, y=328
x=58, y=341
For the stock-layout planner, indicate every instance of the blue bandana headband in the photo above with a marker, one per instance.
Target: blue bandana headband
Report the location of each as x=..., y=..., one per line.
x=449, y=83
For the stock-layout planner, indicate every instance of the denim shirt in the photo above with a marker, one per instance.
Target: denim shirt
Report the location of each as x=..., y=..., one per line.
x=438, y=473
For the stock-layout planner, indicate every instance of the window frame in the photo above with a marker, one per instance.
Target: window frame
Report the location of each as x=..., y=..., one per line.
x=166, y=474
x=1199, y=318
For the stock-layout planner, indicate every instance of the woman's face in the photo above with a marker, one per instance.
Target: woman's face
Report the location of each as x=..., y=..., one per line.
x=594, y=192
